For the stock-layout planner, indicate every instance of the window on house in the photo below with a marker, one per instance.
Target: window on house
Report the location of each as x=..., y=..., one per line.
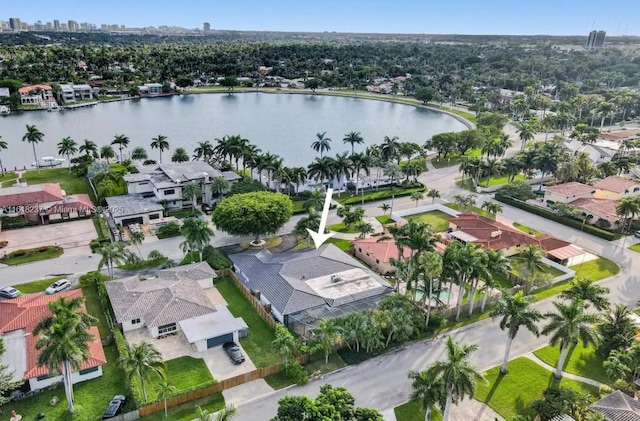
x=82, y=212
x=377, y=261
x=167, y=328
x=65, y=215
x=88, y=370
x=40, y=378
x=155, y=216
x=169, y=192
x=135, y=321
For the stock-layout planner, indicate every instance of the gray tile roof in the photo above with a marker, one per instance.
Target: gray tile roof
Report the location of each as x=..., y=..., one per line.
x=132, y=204
x=167, y=175
x=281, y=277
x=618, y=407
x=192, y=272
x=157, y=301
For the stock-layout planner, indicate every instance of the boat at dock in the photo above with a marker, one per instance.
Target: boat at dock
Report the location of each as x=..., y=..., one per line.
x=4, y=110
x=48, y=162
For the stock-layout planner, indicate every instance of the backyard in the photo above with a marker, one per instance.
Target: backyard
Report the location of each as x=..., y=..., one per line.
x=258, y=343
x=437, y=219
x=580, y=361
x=69, y=182
x=512, y=394
x=341, y=227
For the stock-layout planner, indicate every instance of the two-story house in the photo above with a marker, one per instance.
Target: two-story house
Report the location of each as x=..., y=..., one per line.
x=616, y=188
x=39, y=95
x=73, y=93
x=567, y=192
x=165, y=181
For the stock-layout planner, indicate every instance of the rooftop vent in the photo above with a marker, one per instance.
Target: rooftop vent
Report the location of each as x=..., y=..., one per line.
x=336, y=278
x=495, y=234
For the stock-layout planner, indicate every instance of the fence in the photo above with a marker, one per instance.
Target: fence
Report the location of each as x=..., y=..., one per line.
x=128, y=416
x=253, y=300
x=215, y=388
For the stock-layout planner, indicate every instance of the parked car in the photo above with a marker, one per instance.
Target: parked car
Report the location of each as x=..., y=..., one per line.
x=114, y=407
x=233, y=351
x=58, y=286
x=637, y=233
x=206, y=208
x=9, y=292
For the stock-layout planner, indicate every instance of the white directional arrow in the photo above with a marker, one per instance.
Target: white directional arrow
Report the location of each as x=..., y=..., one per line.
x=320, y=236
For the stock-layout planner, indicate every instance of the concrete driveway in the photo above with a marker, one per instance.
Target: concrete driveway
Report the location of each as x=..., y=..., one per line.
x=220, y=364
x=67, y=234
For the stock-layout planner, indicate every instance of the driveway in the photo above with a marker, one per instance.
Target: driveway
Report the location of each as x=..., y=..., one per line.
x=67, y=234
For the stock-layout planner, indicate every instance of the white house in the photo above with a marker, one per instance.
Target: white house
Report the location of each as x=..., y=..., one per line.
x=18, y=318
x=39, y=95
x=133, y=209
x=567, y=192
x=72, y=93
x=153, y=88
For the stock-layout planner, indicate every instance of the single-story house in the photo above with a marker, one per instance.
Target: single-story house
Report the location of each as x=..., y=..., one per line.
x=617, y=406
x=493, y=235
x=301, y=287
x=133, y=209
x=43, y=203
x=174, y=301
x=567, y=192
x=165, y=181
x=378, y=254
x=597, y=209
x=616, y=188
x=18, y=318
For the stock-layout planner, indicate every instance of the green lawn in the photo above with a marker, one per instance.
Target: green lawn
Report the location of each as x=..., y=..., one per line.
x=412, y=411
x=344, y=245
x=187, y=411
x=317, y=363
x=635, y=247
x=549, y=270
x=91, y=396
x=342, y=228
x=384, y=219
x=261, y=335
x=298, y=206
x=8, y=179
x=581, y=361
x=102, y=229
x=527, y=229
x=375, y=195
x=19, y=257
x=147, y=264
x=437, y=219
x=37, y=286
x=455, y=158
x=94, y=307
x=597, y=269
x=513, y=394
x=69, y=182
x=278, y=381
x=472, y=209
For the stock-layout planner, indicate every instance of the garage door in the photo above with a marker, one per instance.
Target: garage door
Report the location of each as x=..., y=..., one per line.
x=130, y=221
x=219, y=340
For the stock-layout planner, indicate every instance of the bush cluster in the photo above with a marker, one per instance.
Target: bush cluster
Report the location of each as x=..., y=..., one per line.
x=168, y=231
x=215, y=258
x=296, y=373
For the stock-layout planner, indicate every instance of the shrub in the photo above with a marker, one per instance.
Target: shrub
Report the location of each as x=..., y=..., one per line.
x=42, y=249
x=246, y=186
x=18, y=253
x=168, y=231
x=9, y=222
x=604, y=390
x=97, y=243
x=215, y=258
x=624, y=386
x=437, y=320
x=3, y=244
x=155, y=255
x=518, y=190
x=296, y=373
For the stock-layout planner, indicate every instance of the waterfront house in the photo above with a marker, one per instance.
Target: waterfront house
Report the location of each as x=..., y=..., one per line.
x=153, y=88
x=18, y=318
x=73, y=93
x=38, y=95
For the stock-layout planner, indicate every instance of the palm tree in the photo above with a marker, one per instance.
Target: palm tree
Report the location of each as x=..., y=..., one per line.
x=385, y=208
x=225, y=414
x=499, y=265
x=63, y=340
x=389, y=148
x=204, y=150
x=322, y=144
x=353, y=138
x=526, y=132
x=428, y=390
x=107, y=152
x=329, y=332
x=180, y=155
x=568, y=325
x=321, y=169
x=457, y=374
x=66, y=146
x=342, y=166
x=429, y=266
x=284, y=343
x=112, y=253
x=33, y=136
x=433, y=194
x=192, y=191
x=628, y=209
x=89, y=148
x=531, y=258
x=516, y=312
x=136, y=239
x=298, y=176
x=139, y=154
x=361, y=161
x=197, y=234
x=604, y=109
x=219, y=185
x=122, y=141
x=417, y=196
x=490, y=168
x=160, y=143
x=587, y=291
x=315, y=199
x=165, y=391
x=142, y=361
x=3, y=145
x=492, y=208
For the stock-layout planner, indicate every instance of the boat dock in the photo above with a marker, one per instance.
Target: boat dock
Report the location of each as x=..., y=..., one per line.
x=81, y=105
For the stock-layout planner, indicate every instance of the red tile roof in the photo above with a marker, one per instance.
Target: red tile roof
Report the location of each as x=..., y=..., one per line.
x=38, y=193
x=570, y=189
x=616, y=184
x=26, y=89
x=619, y=134
x=602, y=208
x=74, y=203
x=496, y=236
x=26, y=312
x=386, y=249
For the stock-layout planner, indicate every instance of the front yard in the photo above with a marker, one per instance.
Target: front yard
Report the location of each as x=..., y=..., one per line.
x=512, y=394
x=37, y=286
x=412, y=411
x=374, y=195
x=342, y=228
x=581, y=361
x=437, y=219
x=258, y=343
x=19, y=257
x=187, y=411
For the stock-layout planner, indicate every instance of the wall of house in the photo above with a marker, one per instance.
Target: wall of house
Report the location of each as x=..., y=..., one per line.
x=561, y=198
x=128, y=326
x=36, y=384
x=606, y=194
x=373, y=263
x=202, y=345
x=145, y=217
x=139, y=187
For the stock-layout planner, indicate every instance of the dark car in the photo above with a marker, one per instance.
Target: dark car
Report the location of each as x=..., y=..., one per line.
x=637, y=233
x=233, y=351
x=206, y=208
x=115, y=407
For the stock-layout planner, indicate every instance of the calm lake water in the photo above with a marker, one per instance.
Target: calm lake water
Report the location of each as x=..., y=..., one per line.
x=285, y=125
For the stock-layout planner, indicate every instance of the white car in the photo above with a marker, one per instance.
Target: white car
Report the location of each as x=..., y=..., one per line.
x=58, y=286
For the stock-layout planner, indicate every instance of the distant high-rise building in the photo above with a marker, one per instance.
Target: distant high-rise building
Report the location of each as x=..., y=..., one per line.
x=73, y=26
x=596, y=39
x=206, y=27
x=15, y=24
x=64, y=27
x=49, y=26
x=56, y=25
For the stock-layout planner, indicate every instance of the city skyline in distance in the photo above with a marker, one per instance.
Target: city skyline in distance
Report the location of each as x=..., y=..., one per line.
x=499, y=17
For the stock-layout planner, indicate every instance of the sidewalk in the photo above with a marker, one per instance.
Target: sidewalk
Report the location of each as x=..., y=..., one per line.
x=532, y=357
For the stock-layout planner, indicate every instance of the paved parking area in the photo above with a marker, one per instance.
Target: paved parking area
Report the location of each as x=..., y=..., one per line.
x=67, y=234
x=246, y=392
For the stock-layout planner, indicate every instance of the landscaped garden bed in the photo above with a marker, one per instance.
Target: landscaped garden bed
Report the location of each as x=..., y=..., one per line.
x=19, y=257
x=412, y=411
x=379, y=194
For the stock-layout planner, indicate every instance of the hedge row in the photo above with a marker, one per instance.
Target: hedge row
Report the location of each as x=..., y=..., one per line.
x=375, y=196
x=570, y=222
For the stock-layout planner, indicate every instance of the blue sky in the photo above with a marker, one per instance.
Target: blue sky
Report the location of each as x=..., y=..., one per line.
x=554, y=17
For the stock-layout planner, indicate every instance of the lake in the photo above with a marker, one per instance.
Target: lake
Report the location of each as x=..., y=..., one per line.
x=282, y=124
